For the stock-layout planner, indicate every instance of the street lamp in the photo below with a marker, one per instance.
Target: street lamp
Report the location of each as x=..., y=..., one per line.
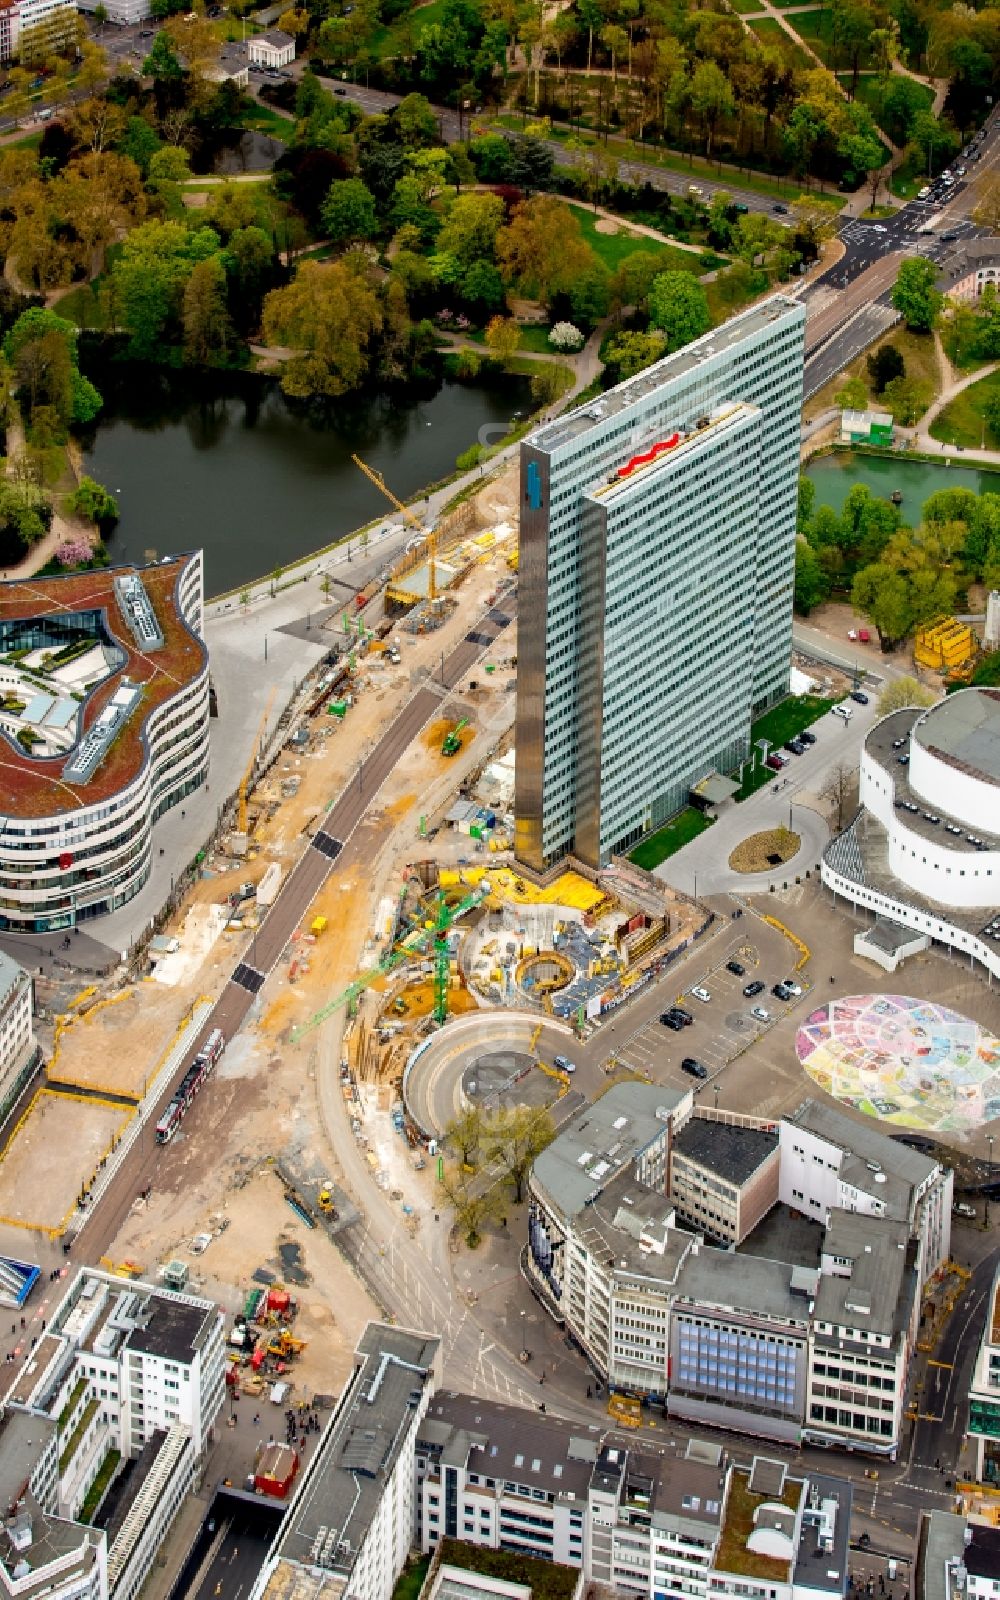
x=986, y=1206
x=525, y=1353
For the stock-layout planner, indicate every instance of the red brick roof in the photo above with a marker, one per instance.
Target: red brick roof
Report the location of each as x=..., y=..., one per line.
x=34, y=787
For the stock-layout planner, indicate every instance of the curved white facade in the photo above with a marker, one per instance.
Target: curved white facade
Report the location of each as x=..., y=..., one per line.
x=924, y=850
x=90, y=858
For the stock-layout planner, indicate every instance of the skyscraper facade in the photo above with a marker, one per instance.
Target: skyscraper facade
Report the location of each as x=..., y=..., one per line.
x=657, y=554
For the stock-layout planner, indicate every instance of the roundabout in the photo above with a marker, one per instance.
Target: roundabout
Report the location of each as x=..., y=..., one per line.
x=902, y=1060
x=488, y=1059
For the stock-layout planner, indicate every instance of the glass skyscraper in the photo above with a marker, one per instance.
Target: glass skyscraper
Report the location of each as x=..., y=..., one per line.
x=657, y=555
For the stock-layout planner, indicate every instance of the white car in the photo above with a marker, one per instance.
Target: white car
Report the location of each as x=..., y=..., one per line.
x=796, y=988
x=923, y=193
x=759, y=1014
x=701, y=994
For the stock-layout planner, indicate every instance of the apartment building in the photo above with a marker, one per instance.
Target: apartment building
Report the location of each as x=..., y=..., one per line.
x=833, y=1162
x=657, y=553
x=958, y=1558
x=643, y=1519
x=724, y=1176
x=864, y=1328
x=19, y=1053
x=350, y=1525
x=123, y=1366
x=624, y=1513
x=782, y=1538
x=45, y=26
x=984, y=1394
x=782, y=1348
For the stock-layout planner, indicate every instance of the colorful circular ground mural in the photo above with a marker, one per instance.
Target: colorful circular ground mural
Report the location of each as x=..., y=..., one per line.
x=904, y=1060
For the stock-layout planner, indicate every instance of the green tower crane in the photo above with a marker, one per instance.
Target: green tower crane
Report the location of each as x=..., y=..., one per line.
x=415, y=944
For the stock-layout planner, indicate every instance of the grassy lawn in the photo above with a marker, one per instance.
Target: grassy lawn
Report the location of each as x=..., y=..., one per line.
x=769, y=31
x=870, y=89
x=264, y=119
x=411, y=1579
x=613, y=248
x=534, y=339
x=742, y=7
x=916, y=349
x=693, y=167
x=962, y=421
x=666, y=841
x=394, y=39
x=777, y=726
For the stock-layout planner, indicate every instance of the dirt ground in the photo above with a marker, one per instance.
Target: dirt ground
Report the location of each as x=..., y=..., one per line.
x=260, y=1232
x=38, y=1185
x=118, y=1047
x=754, y=853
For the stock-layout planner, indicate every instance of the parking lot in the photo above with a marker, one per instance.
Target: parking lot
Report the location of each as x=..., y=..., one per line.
x=722, y=1026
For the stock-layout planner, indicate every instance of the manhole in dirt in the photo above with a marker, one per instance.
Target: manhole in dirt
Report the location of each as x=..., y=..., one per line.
x=291, y=1264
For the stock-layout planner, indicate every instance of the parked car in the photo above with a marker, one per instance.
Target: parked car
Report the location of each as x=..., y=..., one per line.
x=759, y=1014
x=685, y=1016
x=671, y=1020
x=753, y=988
x=689, y=1064
x=701, y=993
x=780, y=992
x=564, y=1064
x=843, y=712
x=735, y=968
x=859, y=697
x=961, y=1208
x=775, y=762
x=795, y=747
x=793, y=987
x=805, y=737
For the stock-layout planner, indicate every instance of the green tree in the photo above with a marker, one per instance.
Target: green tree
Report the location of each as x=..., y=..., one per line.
x=547, y=384
x=513, y=1138
x=169, y=164
x=470, y=229
x=628, y=353
x=882, y=594
x=92, y=501
x=503, y=338
x=812, y=585
x=148, y=279
x=140, y=143
x=464, y=1134
x=163, y=63
x=348, y=212
x=474, y=1206
x=852, y=395
x=914, y=294
x=906, y=691
x=806, y=502
x=205, y=318
x=883, y=365
x=908, y=399
x=991, y=412
x=482, y=286
x=328, y=314
x=711, y=99
x=678, y=306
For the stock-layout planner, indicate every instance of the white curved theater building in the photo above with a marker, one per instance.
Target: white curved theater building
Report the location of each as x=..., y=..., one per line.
x=104, y=718
x=924, y=850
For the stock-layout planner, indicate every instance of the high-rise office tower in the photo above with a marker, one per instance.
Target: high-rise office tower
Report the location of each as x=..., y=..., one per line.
x=657, y=555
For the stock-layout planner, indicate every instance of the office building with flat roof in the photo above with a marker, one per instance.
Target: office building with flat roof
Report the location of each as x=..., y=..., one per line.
x=350, y=1525
x=657, y=540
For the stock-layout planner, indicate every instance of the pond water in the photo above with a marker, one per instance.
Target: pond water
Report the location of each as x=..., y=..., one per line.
x=836, y=475
x=224, y=461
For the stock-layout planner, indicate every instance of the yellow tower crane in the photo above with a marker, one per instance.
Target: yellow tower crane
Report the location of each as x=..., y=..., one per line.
x=245, y=780
x=430, y=540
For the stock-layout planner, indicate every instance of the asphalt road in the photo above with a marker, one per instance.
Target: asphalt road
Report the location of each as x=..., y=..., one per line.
x=284, y=916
